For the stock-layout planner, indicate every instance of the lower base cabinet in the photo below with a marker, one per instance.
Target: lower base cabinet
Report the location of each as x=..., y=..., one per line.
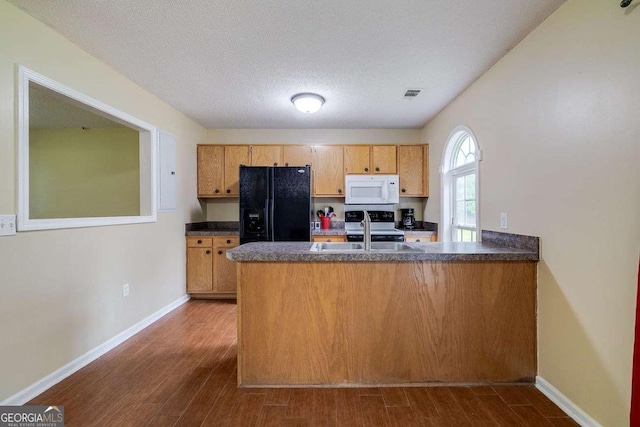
x=209, y=273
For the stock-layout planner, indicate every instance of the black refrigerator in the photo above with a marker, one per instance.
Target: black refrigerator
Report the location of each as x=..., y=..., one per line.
x=275, y=204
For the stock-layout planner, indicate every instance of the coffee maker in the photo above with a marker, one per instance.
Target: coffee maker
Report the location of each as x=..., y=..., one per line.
x=408, y=220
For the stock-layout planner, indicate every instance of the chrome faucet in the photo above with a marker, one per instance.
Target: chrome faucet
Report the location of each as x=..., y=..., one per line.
x=366, y=223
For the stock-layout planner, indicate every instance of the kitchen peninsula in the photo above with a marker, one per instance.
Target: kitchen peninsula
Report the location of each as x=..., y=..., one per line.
x=450, y=312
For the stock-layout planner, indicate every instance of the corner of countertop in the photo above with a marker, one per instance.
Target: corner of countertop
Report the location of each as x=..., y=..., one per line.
x=510, y=240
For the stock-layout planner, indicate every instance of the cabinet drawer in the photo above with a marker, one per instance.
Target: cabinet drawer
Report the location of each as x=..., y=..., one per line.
x=226, y=241
x=329, y=239
x=199, y=242
x=421, y=239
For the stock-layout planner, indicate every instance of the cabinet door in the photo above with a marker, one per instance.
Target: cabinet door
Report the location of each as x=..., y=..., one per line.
x=383, y=159
x=210, y=170
x=234, y=156
x=266, y=155
x=356, y=159
x=297, y=155
x=225, y=270
x=413, y=168
x=199, y=270
x=328, y=170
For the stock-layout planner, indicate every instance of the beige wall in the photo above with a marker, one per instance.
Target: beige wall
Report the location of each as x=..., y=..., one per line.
x=227, y=210
x=80, y=173
x=61, y=291
x=558, y=122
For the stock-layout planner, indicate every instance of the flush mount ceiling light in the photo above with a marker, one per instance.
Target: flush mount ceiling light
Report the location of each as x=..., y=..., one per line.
x=307, y=102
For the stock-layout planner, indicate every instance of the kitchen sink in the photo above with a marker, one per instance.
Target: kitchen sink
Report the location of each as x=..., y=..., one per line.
x=376, y=247
x=335, y=247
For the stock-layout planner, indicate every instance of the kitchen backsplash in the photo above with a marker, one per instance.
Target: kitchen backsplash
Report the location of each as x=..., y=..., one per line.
x=227, y=209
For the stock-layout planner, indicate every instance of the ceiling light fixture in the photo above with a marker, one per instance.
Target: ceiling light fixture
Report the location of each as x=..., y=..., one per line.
x=307, y=102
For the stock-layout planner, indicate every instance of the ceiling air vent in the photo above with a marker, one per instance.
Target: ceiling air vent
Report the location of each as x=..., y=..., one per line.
x=412, y=93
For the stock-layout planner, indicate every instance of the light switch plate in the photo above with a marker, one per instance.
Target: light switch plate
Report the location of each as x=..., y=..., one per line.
x=7, y=225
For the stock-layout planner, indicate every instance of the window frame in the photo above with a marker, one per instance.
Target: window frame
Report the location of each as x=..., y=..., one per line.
x=449, y=173
x=147, y=147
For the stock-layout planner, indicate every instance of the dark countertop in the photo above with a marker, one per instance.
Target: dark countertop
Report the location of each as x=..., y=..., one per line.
x=213, y=228
x=495, y=247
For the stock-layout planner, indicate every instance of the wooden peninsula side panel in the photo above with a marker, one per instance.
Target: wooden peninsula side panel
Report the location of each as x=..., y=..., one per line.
x=338, y=323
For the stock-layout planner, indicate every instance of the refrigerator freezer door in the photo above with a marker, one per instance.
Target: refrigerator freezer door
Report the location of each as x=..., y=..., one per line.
x=291, y=203
x=254, y=204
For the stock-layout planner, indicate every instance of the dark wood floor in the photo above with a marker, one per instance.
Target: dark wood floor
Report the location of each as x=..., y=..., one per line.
x=181, y=371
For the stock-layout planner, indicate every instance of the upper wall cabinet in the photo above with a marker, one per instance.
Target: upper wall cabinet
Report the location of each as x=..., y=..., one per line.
x=297, y=155
x=383, y=159
x=218, y=166
x=267, y=155
x=364, y=159
x=328, y=171
x=413, y=168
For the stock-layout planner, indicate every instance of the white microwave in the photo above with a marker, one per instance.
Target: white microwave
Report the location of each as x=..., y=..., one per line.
x=371, y=189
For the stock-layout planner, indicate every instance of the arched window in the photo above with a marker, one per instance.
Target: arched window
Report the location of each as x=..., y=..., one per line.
x=460, y=185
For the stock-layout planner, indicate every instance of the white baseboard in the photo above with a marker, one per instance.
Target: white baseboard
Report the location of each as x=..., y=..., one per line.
x=565, y=403
x=23, y=396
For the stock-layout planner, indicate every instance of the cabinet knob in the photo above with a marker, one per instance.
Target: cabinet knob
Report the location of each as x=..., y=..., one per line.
x=328, y=240
x=216, y=191
x=208, y=252
x=404, y=190
x=417, y=240
x=366, y=169
x=339, y=190
x=286, y=164
x=377, y=169
x=228, y=241
x=228, y=191
x=275, y=163
x=219, y=252
x=199, y=242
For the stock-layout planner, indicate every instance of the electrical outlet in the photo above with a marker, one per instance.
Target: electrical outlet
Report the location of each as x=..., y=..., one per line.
x=317, y=225
x=7, y=225
x=503, y=220
x=125, y=290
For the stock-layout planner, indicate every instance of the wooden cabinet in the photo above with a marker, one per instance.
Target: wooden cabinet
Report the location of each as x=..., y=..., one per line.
x=413, y=168
x=218, y=169
x=329, y=238
x=199, y=264
x=383, y=159
x=234, y=156
x=297, y=155
x=328, y=171
x=218, y=165
x=210, y=170
x=209, y=272
x=417, y=239
x=267, y=155
x=224, y=270
x=357, y=159
x=365, y=159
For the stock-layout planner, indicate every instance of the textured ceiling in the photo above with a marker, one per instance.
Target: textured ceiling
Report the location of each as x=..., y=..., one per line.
x=237, y=63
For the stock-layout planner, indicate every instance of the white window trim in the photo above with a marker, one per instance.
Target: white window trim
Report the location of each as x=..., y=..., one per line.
x=447, y=173
x=148, y=158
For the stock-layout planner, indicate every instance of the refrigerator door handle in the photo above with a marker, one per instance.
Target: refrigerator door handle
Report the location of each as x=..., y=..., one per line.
x=267, y=221
x=271, y=221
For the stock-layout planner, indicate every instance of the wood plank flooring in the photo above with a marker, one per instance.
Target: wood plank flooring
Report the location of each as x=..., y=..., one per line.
x=181, y=371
